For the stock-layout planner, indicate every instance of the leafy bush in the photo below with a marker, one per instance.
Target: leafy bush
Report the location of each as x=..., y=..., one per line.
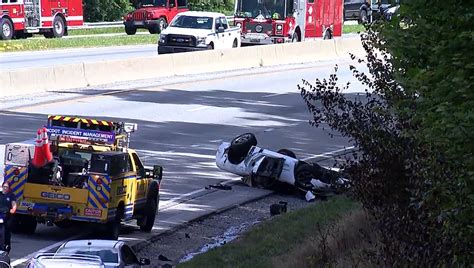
x=414, y=128
x=106, y=10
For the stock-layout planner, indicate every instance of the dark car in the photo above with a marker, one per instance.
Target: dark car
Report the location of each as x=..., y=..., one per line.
x=364, y=10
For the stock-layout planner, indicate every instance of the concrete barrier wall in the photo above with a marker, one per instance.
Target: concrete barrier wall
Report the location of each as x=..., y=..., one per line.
x=25, y=81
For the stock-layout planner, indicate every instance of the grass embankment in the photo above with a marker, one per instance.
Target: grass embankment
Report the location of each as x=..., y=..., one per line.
x=99, y=41
x=324, y=233
x=352, y=28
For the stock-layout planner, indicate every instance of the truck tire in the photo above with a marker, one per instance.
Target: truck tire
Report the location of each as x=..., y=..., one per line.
x=303, y=175
x=23, y=224
x=150, y=213
x=59, y=27
x=6, y=30
x=363, y=18
x=161, y=25
x=287, y=153
x=235, y=44
x=294, y=37
x=130, y=30
x=113, y=227
x=240, y=146
x=210, y=46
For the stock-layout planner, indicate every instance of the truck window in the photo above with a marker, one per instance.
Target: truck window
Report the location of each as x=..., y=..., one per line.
x=172, y=3
x=224, y=23
x=139, y=165
x=182, y=4
x=217, y=23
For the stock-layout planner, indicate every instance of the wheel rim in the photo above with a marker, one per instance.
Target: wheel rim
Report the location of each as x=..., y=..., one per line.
x=242, y=139
x=6, y=29
x=162, y=25
x=58, y=27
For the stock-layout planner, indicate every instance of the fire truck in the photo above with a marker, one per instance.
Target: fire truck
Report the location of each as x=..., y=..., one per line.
x=81, y=170
x=153, y=15
x=22, y=18
x=281, y=21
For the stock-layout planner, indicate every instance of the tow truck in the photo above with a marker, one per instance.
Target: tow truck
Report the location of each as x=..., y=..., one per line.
x=82, y=170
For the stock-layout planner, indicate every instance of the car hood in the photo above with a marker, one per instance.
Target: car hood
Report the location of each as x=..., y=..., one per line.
x=187, y=31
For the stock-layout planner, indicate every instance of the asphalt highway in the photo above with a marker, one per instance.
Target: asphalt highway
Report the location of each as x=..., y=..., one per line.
x=180, y=125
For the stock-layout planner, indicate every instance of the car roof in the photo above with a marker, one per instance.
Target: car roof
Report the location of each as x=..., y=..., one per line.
x=93, y=243
x=202, y=13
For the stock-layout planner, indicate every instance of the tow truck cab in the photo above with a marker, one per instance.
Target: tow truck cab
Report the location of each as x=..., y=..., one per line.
x=98, y=180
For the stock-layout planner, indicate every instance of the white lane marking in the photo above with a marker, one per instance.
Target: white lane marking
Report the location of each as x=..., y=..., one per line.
x=163, y=206
x=198, y=109
x=329, y=154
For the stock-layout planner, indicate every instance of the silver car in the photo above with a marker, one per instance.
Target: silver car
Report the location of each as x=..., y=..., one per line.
x=112, y=253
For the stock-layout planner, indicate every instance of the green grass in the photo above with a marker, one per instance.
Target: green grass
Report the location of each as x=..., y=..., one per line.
x=352, y=28
x=100, y=31
x=43, y=44
x=259, y=246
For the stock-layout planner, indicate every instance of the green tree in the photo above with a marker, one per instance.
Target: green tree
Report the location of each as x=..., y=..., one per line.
x=106, y=10
x=415, y=131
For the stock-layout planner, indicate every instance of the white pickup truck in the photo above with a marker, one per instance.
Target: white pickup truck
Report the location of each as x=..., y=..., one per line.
x=196, y=30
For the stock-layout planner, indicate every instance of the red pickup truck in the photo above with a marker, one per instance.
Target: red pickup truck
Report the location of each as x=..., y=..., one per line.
x=153, y=15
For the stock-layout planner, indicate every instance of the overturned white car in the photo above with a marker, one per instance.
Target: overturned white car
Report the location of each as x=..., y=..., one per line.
x=264, y=168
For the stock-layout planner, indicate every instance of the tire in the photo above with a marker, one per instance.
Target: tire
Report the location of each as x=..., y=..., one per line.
x=6, y=29
x=294, y=37
x=210, y=46
x=303, y=175
x=240, y=146
x=130, y=30
x=150, y=214
x=235, y=44
x=327, y=35
x=287, y=153
x=363, y=18
x=152, y=30
x=161, y=24
x=23, y=224
x=113, y=227
x=59, y=27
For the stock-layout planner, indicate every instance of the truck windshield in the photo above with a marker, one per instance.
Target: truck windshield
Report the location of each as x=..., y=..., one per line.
x=192, y=22
x=156, y=3
x=268, y=9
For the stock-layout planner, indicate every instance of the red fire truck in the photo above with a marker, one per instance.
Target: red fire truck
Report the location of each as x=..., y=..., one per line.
x=281, y=21
x=22, y=18
x=153, y=15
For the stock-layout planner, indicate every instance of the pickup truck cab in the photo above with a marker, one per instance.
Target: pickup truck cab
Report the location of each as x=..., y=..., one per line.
x=196, y=30
x=91, y=175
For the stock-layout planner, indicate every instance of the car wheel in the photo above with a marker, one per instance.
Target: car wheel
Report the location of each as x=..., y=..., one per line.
x=327, y=35
x=210, y=46
x=6, y=32
x=363, y=16
x=150, y=214
x=287, y=153
x=303, y=176
x=161, y=24
x=130, y=30
x=240, y=146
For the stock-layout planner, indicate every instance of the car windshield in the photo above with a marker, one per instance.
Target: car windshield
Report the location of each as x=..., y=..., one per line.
x=105, y=254
x=193, y=22
x=156, y=3
x=276, y=9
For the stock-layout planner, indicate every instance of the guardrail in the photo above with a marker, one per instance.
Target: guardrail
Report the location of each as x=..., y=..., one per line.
x=113, y=24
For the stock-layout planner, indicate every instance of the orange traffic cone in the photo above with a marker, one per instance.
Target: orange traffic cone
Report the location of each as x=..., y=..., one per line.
x=46, y=148
x=38, y=158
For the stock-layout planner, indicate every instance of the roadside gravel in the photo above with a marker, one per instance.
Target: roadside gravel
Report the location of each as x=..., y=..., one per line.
x=212, y=231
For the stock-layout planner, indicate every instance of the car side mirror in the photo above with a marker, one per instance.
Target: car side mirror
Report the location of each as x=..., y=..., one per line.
x=144, y=261
x=158, y=172
x=220, y=29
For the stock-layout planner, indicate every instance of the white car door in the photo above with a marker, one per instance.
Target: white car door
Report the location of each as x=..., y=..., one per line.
x=220, y=37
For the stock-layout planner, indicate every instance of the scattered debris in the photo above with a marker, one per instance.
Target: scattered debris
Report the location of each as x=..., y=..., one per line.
x=219, y=186
x=279, y=208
